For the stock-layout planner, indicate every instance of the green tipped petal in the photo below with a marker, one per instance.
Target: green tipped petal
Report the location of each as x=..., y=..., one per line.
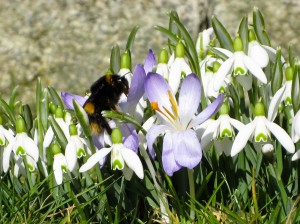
x=289, y=73
x=259, y=109
x=216, y=66
x=125, y=60
x=55, y=149
x=20, y=151
x=163, y=56
x=20, y=125
x=73, y=129
x=179, y=50
x=117, y=164
x=238, y=44
x=116, y=136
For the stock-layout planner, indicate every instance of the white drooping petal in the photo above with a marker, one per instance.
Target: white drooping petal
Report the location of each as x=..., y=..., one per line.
x=296, y=127
x=245, y=81
x=296, y=156
x=242, y=138
x=163, y=70
x=6, y=156
x=58, y=163
x=224, y=51
x=275, y=102
x=236, y=124
x=133, y=161
x=223, y=71
x=71, y=156
x=258, y=54
x=281, y=136
x=272, y=54
x=96, y=158
x=209, y=133
x=254, y=69
x=48, y=137
x=31, y=148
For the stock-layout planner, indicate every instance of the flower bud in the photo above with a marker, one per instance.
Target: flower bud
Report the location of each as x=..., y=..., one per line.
x=179, y=50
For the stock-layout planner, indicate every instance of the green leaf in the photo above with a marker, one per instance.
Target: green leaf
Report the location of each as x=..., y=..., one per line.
x=296, y=87
x=259, y=27
x=222, y=34
x=115, y=58
x=7, y=110
x=55, y=97
x=173, y=38
x=188, y=42
x=27, y=115
x=13, y=97
x=277, y=74
x=131, y=38
x=291, y=56
x=59, y=134
x=243, y=33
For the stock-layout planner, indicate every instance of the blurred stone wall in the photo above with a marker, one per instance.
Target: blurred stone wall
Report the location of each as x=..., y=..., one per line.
x=67, y=42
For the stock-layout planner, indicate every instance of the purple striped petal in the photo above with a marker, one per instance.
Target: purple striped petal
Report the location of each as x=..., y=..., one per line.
x=136, y=90
x=168, y=159
x=156, y=89
x=187, y=148
x=189, y=98
x=152, y=134
x=150, y=62
x=209, y=111
x=68, y=99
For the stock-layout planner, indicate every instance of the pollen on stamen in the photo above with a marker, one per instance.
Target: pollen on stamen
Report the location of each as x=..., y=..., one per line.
x=154, y=105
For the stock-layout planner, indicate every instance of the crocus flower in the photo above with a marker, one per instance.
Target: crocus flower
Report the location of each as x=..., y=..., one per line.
x=239, y=64
x=181, y=147
x=121, y=157
x=221, y=131
x=260, y=130
x=178, y=68
x=22, y=145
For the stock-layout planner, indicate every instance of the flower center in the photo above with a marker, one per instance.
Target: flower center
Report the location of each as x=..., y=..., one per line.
x=170, y=115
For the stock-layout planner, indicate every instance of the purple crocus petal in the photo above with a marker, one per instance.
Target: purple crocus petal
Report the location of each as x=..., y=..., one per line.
x=152, y=134
x=68, y=99
x=156, y=89
x=168, y=159
x=136, y=90
x=209, y=111
x=98, y=140
x=187, y=148
x=130, y=137
x=189, y=98
x=150, y=62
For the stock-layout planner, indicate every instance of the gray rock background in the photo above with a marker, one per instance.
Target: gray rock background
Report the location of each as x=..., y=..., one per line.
x=67, y=42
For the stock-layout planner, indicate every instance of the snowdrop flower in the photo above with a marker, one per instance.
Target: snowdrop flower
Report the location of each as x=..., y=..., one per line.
x=181, y=147
x=179, y=68
x=162, y=66
x=260, y=130
x=256, y=51
x=5, y=135
x=284, y=94
x=203, y=42
x=239, y=64
x=59, y=163
x=121, y=157
x=221, y=131
x=21, y=145
x=59, y=118
x=75, y=148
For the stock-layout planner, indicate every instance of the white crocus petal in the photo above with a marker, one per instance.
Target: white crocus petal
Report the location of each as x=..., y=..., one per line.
x=281, y=136
x=6, y=156
x=96, y=158
x=71, y=156
x=223, y=71
x=275, y=102
x=254, y=69
x=242, y=138
x=296, y=127
x=296, y=156
x=133, y=162
x=59, y=166
x=258, y=54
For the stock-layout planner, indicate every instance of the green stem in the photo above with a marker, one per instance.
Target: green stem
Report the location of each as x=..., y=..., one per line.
x=76, y=202
x=27, y=172
x=192, y=191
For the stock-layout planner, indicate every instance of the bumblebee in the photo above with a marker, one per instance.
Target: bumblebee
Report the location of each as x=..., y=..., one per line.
x=105, y=95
